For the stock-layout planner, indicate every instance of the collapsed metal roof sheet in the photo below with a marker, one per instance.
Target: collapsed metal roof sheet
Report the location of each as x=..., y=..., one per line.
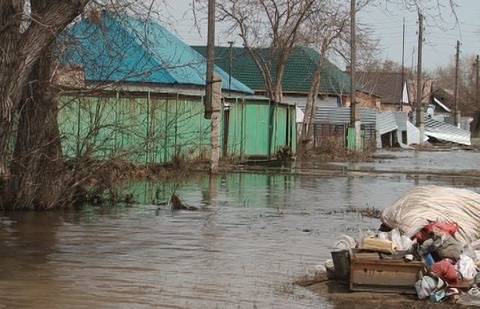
x=401, y=119
x=446, y=132
x=386, y=122
x=439, y=103
x=341, y=115
x=391, y=121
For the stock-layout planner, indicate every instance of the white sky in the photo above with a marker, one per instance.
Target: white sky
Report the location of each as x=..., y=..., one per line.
x=440, y=35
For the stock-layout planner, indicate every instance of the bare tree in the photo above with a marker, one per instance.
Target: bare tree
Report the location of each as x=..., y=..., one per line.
x=269, y=30
x=30, y=150
x=434, y=8
x=25, y=41
x=327, y=31
x=323, y=30
x=444, y=77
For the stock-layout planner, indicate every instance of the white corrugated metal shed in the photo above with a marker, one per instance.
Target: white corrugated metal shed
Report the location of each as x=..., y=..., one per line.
x=341, y=115
x=401, y=118
x=391, y=121
x=386, y=122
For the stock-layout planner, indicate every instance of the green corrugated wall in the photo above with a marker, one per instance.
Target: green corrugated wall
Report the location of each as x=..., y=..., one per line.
x=147, y=129
x=254, y=124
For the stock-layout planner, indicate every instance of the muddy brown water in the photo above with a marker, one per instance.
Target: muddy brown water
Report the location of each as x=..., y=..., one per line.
x=256, y=234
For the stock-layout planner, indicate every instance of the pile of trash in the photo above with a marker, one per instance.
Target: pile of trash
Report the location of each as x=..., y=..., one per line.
x=428, y=244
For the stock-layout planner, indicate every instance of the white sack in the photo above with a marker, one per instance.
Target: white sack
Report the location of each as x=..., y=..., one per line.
x=400, y=242
x=466, y=267
x=433, y=203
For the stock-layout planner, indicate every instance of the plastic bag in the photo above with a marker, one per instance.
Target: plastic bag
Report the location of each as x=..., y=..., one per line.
x=474, y=292
x=446, y=270
x=437, y=227
x=468, y=251
x=384, y=236
x=438, y=296
x=466, y=267
x=400, y=242
x=345, y=242
x=427, y=286
x=442, y=246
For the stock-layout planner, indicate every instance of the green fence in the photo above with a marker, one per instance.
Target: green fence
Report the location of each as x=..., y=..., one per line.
x=149, y=129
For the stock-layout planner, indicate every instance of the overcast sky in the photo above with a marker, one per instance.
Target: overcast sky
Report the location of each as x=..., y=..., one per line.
x=440, y=34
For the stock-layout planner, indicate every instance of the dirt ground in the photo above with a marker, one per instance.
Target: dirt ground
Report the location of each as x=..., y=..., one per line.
x=339, y=296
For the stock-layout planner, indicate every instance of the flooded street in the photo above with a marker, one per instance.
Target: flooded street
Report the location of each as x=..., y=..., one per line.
x=257, y=233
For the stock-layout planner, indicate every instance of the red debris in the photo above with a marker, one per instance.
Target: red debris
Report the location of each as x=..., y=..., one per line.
x=446, y=270
x=446, y=228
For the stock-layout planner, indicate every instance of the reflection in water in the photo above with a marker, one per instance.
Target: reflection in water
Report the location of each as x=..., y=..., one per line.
x=28, y=240
x=241, y=251
x=439, y=161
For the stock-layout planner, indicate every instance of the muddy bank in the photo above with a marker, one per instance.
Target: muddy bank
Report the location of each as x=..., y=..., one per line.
x=340, y=297
x=338, y=155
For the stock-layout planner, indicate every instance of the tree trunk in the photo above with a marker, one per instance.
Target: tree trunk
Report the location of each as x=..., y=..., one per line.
x=307, y=134
x=215, y=121
x=21, y=51
x=25, y=94
x=278, y=86
x=9, y=40
x=37, y=179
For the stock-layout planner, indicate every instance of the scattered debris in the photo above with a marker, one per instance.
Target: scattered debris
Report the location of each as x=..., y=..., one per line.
x=414, y=254
x=368, y=212
x=177, y=204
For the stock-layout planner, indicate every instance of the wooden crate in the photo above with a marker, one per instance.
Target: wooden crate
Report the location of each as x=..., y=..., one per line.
x=377, y=275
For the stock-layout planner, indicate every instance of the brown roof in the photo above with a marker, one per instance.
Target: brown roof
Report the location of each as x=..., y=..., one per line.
x=445, y=96
x=386, y=85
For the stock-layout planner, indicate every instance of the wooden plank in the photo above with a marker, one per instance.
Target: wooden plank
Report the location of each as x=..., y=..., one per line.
x=384, y=275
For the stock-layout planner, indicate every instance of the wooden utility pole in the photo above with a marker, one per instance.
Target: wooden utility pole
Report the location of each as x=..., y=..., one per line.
x=419, y=108
x=353, y=136
x=455, y=94
x=403, y=67
x=213, y=94
x=210, y=58
x=352, y=63
x=477, y=98
x=230, y=44
x=216, y=118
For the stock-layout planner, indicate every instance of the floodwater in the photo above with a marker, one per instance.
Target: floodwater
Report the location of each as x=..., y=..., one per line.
x=444, y=161
x=256, y=234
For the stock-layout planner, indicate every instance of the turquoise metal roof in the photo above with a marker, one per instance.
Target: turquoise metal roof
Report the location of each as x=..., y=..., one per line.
x=122, y=48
